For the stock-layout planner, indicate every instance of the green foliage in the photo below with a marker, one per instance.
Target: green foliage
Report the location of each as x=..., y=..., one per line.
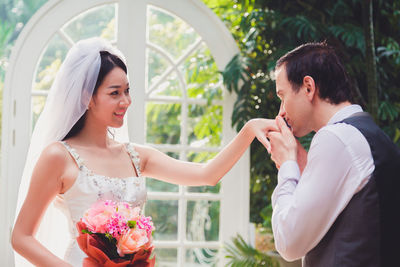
x=6, y=30
x=169, y=32
x=16, y=14
x=85, y=231
x=13, y=16
x=46, y=77
x=132, y=224
x=266, y=214
x=163, y=123
x=265, y=30
x=165, y=216
x=93, y=23
x=241, y=254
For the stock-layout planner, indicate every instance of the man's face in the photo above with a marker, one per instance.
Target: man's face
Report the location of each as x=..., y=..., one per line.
x=295, y=106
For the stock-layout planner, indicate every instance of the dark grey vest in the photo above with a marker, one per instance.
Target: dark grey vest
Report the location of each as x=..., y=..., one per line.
x=367, y=232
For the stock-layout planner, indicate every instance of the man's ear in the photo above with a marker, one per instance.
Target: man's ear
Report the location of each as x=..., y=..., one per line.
x=309, y=87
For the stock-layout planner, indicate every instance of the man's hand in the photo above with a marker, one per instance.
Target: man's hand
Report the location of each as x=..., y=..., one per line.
x=283, y=143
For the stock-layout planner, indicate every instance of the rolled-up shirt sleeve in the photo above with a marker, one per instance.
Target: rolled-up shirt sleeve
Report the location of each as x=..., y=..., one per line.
x=306, y=205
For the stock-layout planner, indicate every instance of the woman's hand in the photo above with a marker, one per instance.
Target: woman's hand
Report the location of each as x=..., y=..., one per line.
x=260, y=129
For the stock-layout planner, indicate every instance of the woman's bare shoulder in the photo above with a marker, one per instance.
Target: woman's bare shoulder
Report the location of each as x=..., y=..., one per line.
x=143, y=149
x=139, y=146
x=55, y=153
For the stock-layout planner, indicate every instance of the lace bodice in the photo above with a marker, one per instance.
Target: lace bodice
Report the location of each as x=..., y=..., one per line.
x=90, y=187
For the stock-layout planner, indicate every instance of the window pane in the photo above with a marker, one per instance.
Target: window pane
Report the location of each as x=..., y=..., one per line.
x=98, y=21
x=166, y=257
x=156, y=65
x=170, y=32
x=202, y=220
x=163, y=123
x=201, y=75
x=50, y=62
x=165, y=218
x=202, y=157
x=37, y=107
x=170, y=86
x=205, y=125
x=154, y=185
x=160, y=186
x=201, y=257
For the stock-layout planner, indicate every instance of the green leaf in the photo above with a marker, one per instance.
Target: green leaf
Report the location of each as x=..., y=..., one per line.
x=241, y=254
x=85, y=231
x=132, y=224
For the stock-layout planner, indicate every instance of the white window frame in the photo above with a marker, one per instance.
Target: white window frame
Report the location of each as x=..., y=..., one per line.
x=234, y=195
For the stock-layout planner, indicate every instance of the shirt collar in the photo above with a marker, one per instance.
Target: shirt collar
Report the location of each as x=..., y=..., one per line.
x=345, y=112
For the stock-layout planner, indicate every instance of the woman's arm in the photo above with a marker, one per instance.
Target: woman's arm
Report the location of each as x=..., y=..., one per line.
x=45, y=184
x=160, y=166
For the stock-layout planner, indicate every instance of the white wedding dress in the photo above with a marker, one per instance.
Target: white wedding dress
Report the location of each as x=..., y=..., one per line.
x=89, y=188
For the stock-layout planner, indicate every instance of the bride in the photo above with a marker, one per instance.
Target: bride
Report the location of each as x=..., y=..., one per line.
x=73, y=162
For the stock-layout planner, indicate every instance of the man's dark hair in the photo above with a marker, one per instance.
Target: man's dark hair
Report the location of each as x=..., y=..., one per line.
x=319, y=61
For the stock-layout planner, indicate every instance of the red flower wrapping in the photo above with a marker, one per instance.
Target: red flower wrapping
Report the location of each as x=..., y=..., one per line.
x=99, y=252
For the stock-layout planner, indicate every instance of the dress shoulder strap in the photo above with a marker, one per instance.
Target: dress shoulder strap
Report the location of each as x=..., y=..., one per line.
x=134, y=155
x=74, y=154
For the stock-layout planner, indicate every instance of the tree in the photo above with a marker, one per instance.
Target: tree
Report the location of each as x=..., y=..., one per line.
x=266, y=29
x=372, y=83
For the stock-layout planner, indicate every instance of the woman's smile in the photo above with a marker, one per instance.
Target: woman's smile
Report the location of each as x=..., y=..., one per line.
x=120, y=114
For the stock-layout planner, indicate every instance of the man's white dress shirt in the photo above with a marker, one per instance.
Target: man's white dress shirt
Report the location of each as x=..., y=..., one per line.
x=339, y=164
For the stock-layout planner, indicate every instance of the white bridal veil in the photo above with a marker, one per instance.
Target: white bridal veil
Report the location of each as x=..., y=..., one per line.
x=67, y=101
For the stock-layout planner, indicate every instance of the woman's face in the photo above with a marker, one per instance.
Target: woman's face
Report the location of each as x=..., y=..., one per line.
x=108, y=106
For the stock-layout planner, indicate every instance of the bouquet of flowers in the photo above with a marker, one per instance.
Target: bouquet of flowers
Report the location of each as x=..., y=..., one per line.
x=116, y=234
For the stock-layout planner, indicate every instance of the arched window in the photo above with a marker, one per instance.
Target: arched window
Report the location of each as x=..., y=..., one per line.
x=174, y=51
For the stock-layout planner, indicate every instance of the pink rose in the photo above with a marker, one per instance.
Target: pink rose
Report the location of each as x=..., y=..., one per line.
x=97, y=217
x=131, y=214
x=132, y=241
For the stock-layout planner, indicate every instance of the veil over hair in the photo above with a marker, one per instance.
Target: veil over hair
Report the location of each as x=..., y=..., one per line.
x=67, y=101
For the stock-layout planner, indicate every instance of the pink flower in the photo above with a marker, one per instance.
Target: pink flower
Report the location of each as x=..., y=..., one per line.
x=131, y=214
x=97, y=217
x=132, y=241
x=146, y=224
x=117, y=225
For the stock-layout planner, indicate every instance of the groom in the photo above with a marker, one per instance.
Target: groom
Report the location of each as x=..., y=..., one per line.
x=338, y=205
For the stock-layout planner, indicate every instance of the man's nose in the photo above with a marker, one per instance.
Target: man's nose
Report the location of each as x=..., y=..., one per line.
x=282, y=111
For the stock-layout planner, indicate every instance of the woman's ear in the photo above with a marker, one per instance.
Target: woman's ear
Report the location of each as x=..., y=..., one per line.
x=309, y=87
x=90, y=103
